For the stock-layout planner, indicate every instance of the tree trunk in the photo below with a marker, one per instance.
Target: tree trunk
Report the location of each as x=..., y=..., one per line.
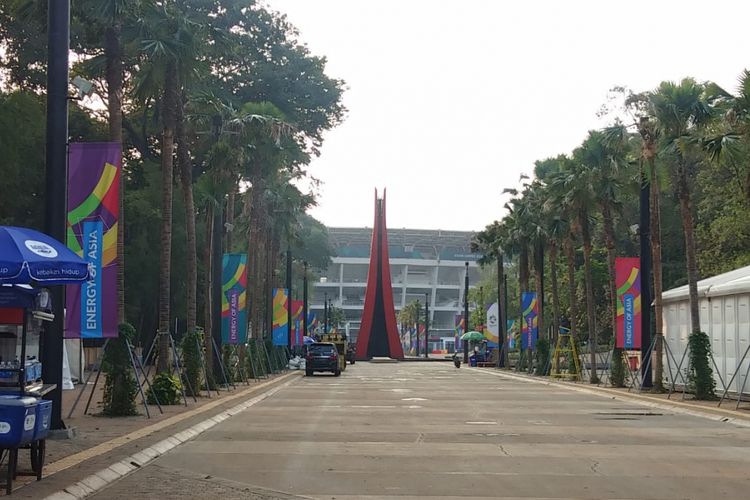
x=570, y=257
x=686, y=213
x=539, y=285
x=169, y=117
x=186, y=180
x=593, y=338
x=656, y=267
x=553, y=250
x=609, y=239
x=113, y=55
x=208, y=310
x=229, y=219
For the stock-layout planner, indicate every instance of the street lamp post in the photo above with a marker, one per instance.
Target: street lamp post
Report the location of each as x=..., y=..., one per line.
x=304, y=303
x=645, y=248
x=325, y=312
x=501, y=347
x=289, y=294
x=55, y=210
x=466, y=312
x=426, y=325
x=418, y=309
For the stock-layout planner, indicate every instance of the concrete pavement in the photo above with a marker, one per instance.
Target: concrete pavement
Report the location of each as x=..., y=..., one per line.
x=416, y=430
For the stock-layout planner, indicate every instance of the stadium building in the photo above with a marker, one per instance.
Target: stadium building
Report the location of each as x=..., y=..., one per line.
x=424, y=263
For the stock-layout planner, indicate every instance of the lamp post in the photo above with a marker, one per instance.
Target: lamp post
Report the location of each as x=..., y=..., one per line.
x=500, y=309
x=55, y=210
x=645, y=248
x=466, y=312
x=506, y=356
x=426, y=325
x=304, y=303
x=418, y=309
x=289, y=294
x=325, y=312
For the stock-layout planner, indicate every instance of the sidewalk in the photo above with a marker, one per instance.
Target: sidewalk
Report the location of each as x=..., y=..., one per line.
x=703, y=409
x=102, y=441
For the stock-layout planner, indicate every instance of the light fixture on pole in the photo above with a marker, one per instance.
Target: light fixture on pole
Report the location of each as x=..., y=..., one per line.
x=466, y=312
x=501, y=344
x=426, y=325
x=304, y=302
x=417, y=311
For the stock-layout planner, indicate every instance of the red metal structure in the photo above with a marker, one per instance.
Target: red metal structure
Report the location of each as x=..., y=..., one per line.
x=378, y=334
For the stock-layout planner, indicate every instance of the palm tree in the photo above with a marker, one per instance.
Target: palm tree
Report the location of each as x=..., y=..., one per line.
x=730, y=144
x=573, y=182
x=682, y=112
x=604, y=154
x=169, y=44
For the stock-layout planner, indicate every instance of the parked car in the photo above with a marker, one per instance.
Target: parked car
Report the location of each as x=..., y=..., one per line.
x=322, y=357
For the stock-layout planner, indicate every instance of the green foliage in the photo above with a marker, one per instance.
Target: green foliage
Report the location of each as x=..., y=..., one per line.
x=617, y=369
x=166, y=388
x=542, y=355
x=700, y=378
x=120, y=386
x=191, y=359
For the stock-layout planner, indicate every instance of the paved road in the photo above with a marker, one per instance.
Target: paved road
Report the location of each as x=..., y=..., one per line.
x=417, y=430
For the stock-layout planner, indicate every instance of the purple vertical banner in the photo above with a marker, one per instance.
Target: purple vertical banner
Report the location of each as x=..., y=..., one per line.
x=93, y=212
x=530, y=329
x=234, y=298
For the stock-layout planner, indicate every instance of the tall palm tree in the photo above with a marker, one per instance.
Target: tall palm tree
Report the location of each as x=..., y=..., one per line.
x=573, y=182
x=682, y=112
x=169, y=45
x=604, y=154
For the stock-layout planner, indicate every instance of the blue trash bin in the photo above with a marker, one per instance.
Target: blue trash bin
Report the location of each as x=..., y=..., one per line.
x=43, y=419
x=17, y=420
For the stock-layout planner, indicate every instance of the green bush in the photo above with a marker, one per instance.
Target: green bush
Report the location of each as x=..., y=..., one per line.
x=166, y=388
x=617, y=368
x=701, y=378
x=191, y=358
x=120, y=386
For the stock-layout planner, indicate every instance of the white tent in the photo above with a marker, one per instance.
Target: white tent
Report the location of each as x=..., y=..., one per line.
x=724, y=305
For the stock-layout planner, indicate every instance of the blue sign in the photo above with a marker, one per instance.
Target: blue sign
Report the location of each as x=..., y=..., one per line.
x=628, y=303
x=91, y=290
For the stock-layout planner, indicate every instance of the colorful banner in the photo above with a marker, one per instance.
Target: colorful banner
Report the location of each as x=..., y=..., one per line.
x=511, y=334
x=234, y=299
x=530, y=329
x=628, y=282
x=297, y=306
x=93, y=207
x=312, y=322
x=492, y=325
x=458, y=330
x=280, y=329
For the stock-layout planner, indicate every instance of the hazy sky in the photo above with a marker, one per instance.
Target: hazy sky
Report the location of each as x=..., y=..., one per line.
x=450, y=101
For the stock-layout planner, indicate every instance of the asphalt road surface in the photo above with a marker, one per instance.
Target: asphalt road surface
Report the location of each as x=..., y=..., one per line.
x=419, y=430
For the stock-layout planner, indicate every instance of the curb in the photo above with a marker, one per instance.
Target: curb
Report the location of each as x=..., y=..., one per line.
x=738, y=419
x=103, y=478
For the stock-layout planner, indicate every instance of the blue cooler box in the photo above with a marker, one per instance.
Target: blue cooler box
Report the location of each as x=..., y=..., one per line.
x=43, y=419
x=17, y=420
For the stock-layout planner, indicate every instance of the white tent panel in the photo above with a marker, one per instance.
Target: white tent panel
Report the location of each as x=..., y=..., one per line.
x=743, y=336
x=716, y=333
x=730, y=337
x=724, y=310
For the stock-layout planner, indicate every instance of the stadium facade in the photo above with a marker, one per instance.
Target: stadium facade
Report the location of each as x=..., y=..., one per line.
x=423, y=263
